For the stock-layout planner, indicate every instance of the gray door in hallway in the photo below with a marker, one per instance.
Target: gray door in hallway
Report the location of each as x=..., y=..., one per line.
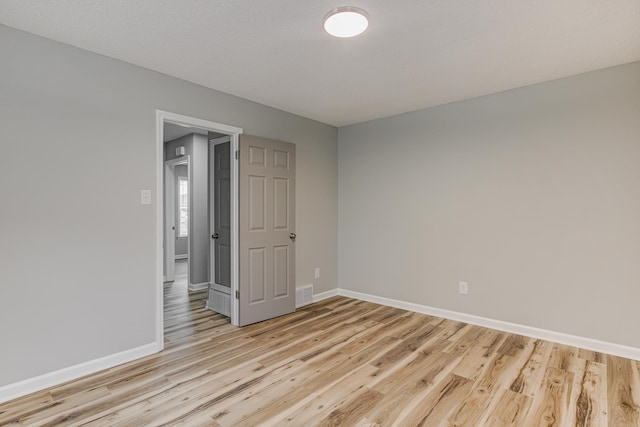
x=222, y=214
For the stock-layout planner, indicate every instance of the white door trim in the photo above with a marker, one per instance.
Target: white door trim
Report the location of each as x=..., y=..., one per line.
x=235, y=230
x=234, y=132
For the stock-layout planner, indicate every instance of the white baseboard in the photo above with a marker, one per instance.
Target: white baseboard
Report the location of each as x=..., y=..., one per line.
x=198, y=286
x=325, y=295
x=514, y=328
x=319, y=297
x=31, y=385
x=183, y=256
x=41, y=382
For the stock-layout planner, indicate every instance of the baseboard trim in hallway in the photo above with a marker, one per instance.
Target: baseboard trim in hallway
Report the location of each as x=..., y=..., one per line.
x=193, y=287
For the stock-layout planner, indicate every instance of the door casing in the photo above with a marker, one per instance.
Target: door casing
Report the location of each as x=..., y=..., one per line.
x=163, y=117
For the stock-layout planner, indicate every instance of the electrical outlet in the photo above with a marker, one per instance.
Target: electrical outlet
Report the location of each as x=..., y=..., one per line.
x=463, y=288
x=317, y=273
x=145, y=197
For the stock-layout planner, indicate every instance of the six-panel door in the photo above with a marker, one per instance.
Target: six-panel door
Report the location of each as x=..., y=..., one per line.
x=267, y=229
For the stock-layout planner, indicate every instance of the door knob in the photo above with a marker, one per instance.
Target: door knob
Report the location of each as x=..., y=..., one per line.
x=292, y=236
x=214, y=236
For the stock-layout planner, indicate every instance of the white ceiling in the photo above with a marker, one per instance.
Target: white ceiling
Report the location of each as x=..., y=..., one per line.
x=415, y=54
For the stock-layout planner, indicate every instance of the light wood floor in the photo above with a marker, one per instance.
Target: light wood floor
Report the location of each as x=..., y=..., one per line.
x=342, y=362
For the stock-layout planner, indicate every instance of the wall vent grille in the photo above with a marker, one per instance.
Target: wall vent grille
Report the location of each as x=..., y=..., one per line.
x=304, y=295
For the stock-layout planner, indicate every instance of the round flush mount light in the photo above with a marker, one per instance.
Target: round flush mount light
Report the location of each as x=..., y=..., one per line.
x=346, y=21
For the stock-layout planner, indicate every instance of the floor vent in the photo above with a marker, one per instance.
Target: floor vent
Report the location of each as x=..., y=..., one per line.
x=304, y=295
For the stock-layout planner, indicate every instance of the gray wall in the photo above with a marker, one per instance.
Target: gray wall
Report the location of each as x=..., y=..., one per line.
x=200, y=237
x=181, y=242
x=79, y=130
x=532, y=196
x=197, y=147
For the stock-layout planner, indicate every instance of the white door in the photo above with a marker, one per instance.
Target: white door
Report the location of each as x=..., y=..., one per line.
x=267, y=229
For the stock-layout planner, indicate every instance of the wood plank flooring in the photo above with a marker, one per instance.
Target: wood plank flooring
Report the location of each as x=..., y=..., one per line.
x=342, y=362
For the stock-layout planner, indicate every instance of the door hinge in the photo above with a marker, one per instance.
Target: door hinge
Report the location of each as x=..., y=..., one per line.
x=237, y=151
x=237, y=294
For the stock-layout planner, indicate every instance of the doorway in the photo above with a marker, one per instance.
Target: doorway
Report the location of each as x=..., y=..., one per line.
x=259, y=231
x=165, y=238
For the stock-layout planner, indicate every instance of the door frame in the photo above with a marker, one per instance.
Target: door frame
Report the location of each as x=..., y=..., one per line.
x=170, y=220
x=163, y=117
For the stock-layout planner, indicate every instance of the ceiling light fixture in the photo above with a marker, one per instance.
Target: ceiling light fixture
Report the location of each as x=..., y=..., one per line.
x=346, y=21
